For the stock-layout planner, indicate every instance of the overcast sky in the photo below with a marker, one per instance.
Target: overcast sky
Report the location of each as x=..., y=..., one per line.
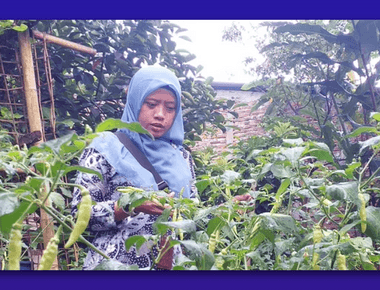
x=220, y=59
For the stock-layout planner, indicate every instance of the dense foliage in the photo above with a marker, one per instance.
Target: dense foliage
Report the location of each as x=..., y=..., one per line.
x=321, y=76
x=304, y=215
x=307, y=211
x=89, y=89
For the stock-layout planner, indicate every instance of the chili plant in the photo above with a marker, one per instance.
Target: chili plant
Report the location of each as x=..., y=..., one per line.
x=32, y=176
x=317, y=216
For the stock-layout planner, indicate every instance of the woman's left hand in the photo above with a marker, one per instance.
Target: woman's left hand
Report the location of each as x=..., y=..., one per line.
x=151, y=207
x=243, y=197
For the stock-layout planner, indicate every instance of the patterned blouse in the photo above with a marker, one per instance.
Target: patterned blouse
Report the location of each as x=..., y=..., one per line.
x=110, y=235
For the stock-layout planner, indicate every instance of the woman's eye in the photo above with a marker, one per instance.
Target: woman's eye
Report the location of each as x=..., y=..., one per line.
x=151, y=105
x=170, y=109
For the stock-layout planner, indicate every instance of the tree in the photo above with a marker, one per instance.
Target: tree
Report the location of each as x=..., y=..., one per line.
x=324, y=70
x=89, y=89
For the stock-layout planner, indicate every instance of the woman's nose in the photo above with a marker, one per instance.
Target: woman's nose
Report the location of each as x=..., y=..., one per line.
x=159, y=112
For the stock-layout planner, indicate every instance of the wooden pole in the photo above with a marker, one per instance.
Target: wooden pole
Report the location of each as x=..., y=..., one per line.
x=34, y=118
x=30, y=88
x=65, y=43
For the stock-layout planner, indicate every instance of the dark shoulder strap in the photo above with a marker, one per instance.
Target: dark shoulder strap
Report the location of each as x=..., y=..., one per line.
x=141, y=158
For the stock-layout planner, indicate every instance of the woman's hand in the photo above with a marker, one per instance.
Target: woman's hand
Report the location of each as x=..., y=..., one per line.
x=148, y=207
x=243, y=197
x=239, y=198
x=151, y=207
x=120, y=214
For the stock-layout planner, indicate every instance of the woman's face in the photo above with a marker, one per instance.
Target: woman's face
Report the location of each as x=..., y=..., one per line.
x=158, y=112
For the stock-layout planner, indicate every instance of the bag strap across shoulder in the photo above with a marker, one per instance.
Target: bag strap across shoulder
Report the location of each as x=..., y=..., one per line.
x=141, y=158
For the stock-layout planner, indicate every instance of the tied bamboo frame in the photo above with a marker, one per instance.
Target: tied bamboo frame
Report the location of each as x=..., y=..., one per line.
x=65, y=43
x=33, y=110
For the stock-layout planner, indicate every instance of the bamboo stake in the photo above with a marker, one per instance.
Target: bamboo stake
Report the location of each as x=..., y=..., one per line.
x=34, y=118
x=30, y=88
x=63, y=42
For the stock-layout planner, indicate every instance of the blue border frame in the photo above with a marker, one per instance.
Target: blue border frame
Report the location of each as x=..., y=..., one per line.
x=188, y=10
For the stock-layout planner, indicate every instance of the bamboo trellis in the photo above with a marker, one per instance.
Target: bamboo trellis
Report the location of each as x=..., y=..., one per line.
x=25, y=81
x=13, y=108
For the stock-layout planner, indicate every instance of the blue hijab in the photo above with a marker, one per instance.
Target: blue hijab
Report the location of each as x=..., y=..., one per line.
x=164, y=152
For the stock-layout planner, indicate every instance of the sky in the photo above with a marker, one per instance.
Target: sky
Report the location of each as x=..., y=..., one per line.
x=221, y=60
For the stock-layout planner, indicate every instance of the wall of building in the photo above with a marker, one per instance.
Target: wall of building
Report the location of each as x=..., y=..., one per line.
x=248, y=123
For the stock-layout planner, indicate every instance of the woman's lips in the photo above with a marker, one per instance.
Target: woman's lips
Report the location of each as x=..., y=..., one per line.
x=155, y=125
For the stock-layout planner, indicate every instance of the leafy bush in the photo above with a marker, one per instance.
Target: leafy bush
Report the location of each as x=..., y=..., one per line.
x=298, y=180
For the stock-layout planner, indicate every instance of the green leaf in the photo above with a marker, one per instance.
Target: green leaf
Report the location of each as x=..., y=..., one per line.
x=248, y=86
x=187, y=226
x=375, y=115
x=215, y=224
x=57, y=199
x=351, y=168
x=299, y=28
x=185, y=38
x=202, y=185
x=229, y=176
x=346, y=228
x=296, y=142
x=261, y=102
x=83, y=169
x=8, y=203
x=360, y=243
x=366, y=262
x=35, y=183
x=361, y=130
x=258, y=259
x=293, y=154
x=199, y=68
x=20, y=28
x=318, y=55
x=58, y=169
x=111, y=124
x=56, y=144
x=133, y=197
x=189, y=57
x=68, y=122
x=373, y=222
x=6, y=23
x=283, y=187
x=321, y=155
x=277, y=222
x=138, y=240
x=66, y=192
x=344, y=191
x=203, y=257
x=209, y=80
x=281, y=171
x=203, y=213
x=369, y=143
x=6, y=221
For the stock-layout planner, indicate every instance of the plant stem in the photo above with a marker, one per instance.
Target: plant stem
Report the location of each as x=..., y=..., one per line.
x=319, y=200
x=340, y=120
x=23, y=215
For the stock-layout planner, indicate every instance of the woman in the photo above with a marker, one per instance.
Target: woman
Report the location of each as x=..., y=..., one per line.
x=154, y=100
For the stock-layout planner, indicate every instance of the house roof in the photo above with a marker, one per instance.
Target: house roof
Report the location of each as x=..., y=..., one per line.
x=235, y=87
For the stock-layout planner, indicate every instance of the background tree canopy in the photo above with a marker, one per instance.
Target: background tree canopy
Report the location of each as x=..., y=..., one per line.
x=324, y=69
x=89, y=89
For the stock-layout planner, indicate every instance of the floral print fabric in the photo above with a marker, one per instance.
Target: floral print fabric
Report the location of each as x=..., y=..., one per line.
x=109, y=235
